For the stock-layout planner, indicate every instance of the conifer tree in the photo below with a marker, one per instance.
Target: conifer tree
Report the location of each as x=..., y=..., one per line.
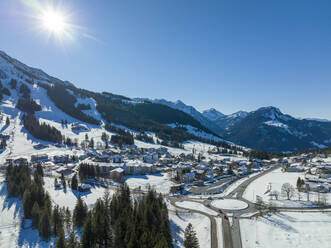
x=190, y=239
x=80, y=213
x=72, y=241
x=27, y=203
x=35, y=214
x=45, y=225
x=74, y=182
x=57, y=220
x=88, y=239
x=60, y=242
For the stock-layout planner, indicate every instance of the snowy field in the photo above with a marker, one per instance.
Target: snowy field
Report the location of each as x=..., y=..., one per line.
x=229, y=204
x=274, y=181
x=160, y=182
x=287, y=230
x=196, y=206
x=68, y=198
x=200, y=223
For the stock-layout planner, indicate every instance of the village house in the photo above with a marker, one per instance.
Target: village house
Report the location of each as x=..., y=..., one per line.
x=166, y=161
x=39, y=146
x=162, y=150
x=188, y=178
x=325, y=169
x=293, y=168
x=117, y=158
x=151, y=158
x=84, y=188
x=101, y=158
x=78, y=127
x=135, y=168
x=200, y=175
x=117, y=175
x=61, y=159
x=39, y=158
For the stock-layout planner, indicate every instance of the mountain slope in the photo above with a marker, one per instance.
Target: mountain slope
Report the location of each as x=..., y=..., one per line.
x=179, y=105
x=271, y=130
x=212, y=114
x=228, y=121
x=54, y=101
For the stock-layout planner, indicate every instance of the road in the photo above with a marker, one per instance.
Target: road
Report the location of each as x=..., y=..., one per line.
x=213, y=225
x=232, y=234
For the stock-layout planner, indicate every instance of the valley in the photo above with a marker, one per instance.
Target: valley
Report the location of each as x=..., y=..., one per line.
x=208, y=174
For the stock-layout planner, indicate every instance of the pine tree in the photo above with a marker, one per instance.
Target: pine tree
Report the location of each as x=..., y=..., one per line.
x=92, y=143
x=190, y=239
x=101, y=224
x=88, y=240
x=57, y=220
x=27, y=203
x=80, y=213
x=60, y=242
x=74, y=182
x=35, y=214
x=72, y=241
x=67, y=218
x=45, y=225
x=162, y=243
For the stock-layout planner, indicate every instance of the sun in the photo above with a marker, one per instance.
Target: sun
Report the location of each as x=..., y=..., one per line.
x=54, y=21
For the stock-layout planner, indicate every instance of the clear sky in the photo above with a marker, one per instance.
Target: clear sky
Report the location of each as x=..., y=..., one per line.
x=228, y=54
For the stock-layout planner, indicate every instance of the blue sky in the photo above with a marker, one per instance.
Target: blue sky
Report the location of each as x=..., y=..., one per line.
x=231, y=55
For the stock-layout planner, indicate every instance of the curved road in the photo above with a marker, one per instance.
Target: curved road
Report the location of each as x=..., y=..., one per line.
x=231, y=234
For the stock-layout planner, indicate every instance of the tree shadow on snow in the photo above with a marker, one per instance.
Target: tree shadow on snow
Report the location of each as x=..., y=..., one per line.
x=4, y=128
x=9, y=202
x=175, y=231
x=271, y=220
x=29, y=237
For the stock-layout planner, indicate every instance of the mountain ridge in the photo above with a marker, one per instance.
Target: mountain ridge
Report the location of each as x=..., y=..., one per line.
x=266, y=128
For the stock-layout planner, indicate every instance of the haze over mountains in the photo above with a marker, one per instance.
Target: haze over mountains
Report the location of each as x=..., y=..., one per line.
x=264, y=129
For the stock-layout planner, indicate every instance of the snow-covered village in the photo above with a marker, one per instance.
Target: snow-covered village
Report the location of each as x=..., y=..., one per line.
x=112, y=158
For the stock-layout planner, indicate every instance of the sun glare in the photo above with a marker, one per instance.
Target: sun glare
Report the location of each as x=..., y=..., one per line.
x=54, y=21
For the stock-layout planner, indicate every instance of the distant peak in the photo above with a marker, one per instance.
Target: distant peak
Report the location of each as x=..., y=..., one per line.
x=212, y=114
x=270, y=108
x=179, y=102
x=239, y=113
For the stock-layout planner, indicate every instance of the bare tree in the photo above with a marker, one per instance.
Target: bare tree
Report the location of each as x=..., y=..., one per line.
x=287, y=191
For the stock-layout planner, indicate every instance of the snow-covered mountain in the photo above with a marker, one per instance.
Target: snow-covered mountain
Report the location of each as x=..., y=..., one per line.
x=179, y=105
x=212, y=114
x=53, y=100
x=228, y=121
x=10, y=66
x=269, y=129
x=265, y=129
x=26, y=91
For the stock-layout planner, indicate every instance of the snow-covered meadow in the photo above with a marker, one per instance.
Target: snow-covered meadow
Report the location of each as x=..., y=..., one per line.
x=287, y=230
x=274, y=180
x=200, y=223
x=159, y=182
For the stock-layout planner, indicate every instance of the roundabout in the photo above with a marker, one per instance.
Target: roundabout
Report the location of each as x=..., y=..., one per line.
x=229, y=204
